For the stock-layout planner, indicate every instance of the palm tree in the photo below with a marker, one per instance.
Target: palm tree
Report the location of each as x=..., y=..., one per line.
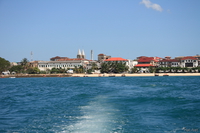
x=24, y=63
x=94, y=66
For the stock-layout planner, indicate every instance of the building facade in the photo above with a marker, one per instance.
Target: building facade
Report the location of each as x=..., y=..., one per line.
x=144, y=63
x=102, y=57
x=189, y=61
x=48, y=65
x=64, y=62
x=169, y=63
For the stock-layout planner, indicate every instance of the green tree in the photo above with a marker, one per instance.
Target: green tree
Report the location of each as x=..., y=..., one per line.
x=198, y=68
x=94, y=66
x=24, y=63
x=4, y=65
x=17, y=69
x=113, y=67
x=158, y=69
x=134, y=70
x=152, y=69
x=104, y=67
x=89, y=71
x=34, y=70
x=54, y=70
x=177, y=69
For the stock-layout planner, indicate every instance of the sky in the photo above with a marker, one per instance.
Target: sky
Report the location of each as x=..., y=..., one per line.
x=119, y=28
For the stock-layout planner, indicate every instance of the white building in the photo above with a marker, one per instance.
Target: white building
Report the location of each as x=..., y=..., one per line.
x=189, y=61
x=70, y=63
x=64, y=62
x=131, y=64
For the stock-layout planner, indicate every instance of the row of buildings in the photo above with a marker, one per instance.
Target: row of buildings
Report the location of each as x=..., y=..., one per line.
x=142, y=62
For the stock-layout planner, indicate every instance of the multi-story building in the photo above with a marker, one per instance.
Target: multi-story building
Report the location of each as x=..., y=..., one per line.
x=189, y=61
x=168, y=62
x=102, y=57
x=144, y=63
x=64, y=62
x=33, y=64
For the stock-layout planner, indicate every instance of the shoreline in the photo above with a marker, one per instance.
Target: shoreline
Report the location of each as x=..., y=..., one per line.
x=99, y=75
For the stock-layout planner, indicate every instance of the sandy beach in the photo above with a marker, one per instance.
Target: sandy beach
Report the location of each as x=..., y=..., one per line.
x=99, y=75
x=136, y=75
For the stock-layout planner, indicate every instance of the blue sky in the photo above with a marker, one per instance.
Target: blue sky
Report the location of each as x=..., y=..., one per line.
x=119, y=28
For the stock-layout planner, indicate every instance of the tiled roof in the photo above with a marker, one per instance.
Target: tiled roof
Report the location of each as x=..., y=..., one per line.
x=116, y=59
x=189, y=57
x=169, y=60
x=58, y=57
x=143, y=65
x=146, y=59
x=71, y=59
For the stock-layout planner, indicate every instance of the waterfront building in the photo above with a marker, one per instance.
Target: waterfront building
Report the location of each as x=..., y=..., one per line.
x=144, y=63
x=168, y=62
x=102, y=57
x=189, y=61
x=64, y=62
x=33, y=64
x=91, y=63
x=58, y=58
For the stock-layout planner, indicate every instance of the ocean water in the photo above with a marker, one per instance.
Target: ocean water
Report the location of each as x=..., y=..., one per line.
x=100, y=105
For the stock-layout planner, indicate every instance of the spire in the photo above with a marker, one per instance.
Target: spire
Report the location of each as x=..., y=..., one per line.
x=79, y=52
x=83, y=54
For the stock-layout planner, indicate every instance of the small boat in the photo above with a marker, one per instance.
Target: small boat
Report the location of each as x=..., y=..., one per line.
x=123, y=75
x=12, y=77
x=165, y=75
x=111, y=75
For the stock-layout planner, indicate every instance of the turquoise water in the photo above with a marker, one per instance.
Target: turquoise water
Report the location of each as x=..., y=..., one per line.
x=100, y=105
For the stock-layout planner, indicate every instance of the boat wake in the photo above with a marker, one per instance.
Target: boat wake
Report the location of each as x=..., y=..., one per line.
x=98, y=116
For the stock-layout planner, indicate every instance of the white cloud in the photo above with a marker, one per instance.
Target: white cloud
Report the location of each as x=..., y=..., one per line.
x=149, y=4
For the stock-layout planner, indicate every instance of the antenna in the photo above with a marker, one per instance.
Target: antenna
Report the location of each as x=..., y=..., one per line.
x=31, y=56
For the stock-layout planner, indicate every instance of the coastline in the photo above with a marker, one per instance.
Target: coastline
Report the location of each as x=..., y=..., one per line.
x=99, y=75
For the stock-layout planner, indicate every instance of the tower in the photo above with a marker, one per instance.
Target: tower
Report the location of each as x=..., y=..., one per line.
x=79, y=54
x=83, y=54
x=31, y=56
x=91, y=54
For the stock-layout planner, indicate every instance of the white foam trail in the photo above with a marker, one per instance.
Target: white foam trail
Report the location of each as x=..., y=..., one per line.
x=97, y=117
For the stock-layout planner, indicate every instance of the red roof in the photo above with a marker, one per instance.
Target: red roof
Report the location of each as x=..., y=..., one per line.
x=169, y=60
x=116, y=59
x=189, y=57
x=146, y=59
x=58, y=57
x=143, y=65
x=71, y=59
